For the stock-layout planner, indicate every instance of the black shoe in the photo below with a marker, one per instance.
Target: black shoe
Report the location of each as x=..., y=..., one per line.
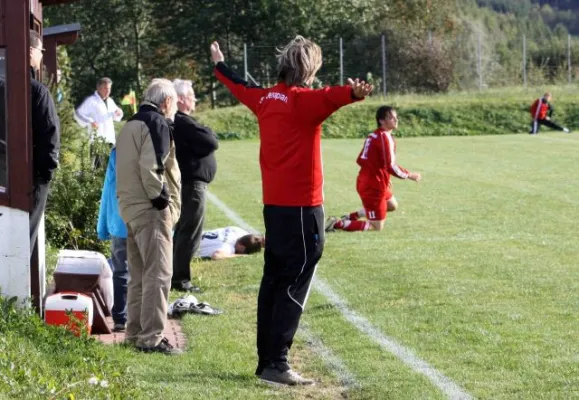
x=188, y=287
x=118, y=327
x=288, y=377
x=261, y=366
x=164, y=347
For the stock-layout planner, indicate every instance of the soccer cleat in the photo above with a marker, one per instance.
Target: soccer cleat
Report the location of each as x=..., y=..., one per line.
x=565, y=130
x=289, y=377
x=330, y=222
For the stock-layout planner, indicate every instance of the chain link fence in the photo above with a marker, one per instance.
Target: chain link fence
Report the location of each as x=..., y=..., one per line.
x=395, y=64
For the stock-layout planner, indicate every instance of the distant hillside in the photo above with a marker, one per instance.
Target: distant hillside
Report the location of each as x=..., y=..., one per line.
x=552, y=12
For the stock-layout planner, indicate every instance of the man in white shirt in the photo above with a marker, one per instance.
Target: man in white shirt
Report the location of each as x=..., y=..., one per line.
x=229, y=242
x=98, y=112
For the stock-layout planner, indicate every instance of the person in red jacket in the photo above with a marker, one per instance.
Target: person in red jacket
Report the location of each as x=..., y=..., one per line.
x=377, y=162
x=289, y=115
x=541, y=112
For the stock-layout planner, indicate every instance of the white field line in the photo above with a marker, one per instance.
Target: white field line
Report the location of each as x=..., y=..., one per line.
x=335, y=363
x=407, y=356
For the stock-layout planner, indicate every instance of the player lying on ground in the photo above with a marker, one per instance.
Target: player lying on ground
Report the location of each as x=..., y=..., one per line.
x=229, y=242
x=377, y=162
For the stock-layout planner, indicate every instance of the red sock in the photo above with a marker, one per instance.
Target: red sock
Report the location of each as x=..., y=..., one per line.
x=354, y=216
x=352, y=226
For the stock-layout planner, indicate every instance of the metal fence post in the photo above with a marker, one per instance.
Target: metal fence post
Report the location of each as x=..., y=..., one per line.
x=569, y=59
x=479, y=62
x=383, y=65
x=245, y=61
x=341, y=62
x=524, y=60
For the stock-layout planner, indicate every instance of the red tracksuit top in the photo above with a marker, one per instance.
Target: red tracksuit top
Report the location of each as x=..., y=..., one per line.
x=539, y=109
x=290, y=128
x=377, y=162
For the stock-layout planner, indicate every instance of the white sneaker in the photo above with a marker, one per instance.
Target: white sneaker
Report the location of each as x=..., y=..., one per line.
x=565, y=130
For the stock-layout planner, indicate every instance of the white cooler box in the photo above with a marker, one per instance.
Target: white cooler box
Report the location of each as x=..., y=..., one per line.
x=87, y=272
x=59, y=305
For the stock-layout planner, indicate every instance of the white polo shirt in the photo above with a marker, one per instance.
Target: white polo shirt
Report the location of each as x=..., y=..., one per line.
x=95, y=109
x=222, y=239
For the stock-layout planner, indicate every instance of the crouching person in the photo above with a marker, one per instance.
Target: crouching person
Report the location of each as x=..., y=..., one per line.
x=111, y=226
x=148, y=189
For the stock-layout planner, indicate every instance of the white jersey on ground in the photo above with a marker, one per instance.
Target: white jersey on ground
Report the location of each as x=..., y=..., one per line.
x=222, y=239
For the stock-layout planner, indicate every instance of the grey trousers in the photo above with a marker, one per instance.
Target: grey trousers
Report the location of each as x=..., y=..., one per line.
x=188, y=231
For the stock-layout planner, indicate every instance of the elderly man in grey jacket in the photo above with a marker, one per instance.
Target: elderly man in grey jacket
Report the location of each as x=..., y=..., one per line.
x=148, y=189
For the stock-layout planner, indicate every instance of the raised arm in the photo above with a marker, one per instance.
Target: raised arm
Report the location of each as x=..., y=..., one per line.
x=247, y=94
x=320, y=104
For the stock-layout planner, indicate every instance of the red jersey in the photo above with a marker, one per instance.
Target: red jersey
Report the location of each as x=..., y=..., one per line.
x=290, y=130
x=377, y=162
x=539, y=109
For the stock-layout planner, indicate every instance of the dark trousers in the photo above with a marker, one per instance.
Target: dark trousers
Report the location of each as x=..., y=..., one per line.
x=536, y=125
x=188, y=231
x=99, y=160
x=39, y=197
x=120, y=279
x=294, y=245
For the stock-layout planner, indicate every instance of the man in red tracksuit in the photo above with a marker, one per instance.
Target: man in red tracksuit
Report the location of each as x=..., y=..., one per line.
x=377, y=162
x=541, y=112
x=289, y=115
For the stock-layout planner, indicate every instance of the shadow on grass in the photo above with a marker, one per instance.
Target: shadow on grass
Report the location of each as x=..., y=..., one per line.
x=203, y=376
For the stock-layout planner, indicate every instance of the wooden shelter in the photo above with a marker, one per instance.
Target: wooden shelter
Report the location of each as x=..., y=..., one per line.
x=20, y=274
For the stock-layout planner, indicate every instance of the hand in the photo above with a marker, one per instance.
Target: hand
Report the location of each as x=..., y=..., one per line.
x=117, y=113
x=415, y=176
x=216, y=54
x=94, y=125
x=360, y=89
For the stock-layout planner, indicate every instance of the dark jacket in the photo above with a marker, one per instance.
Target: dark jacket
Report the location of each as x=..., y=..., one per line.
x=195, y=145
x=45, y=132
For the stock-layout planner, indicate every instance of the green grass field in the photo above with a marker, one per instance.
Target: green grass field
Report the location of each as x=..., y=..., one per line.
x=475, y=275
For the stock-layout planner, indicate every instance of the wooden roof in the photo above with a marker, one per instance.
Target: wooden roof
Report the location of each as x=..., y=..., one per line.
x=63, y=34
x=53, y=2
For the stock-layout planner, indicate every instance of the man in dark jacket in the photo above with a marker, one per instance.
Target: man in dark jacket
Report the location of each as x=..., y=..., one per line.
x=195, y=145
x=45, y=138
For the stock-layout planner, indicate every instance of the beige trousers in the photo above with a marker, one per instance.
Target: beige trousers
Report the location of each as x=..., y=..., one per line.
x=150, y=259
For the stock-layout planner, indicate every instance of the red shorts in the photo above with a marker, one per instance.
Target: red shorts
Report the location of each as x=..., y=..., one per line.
x=375, y=202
